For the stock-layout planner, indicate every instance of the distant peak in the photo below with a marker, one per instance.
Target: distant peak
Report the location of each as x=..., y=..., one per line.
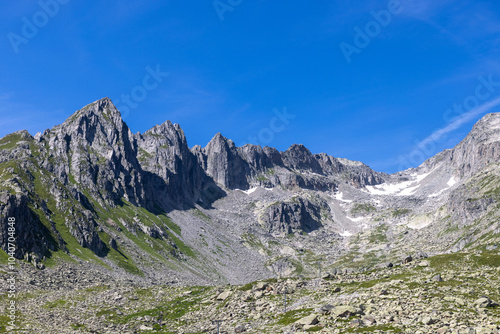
x=298, y=148
x=102, y=108
x=160, y=128
x=100, y=104
x=167, y=129
x=105, y=100
x=491, y=120
x=486, y=129
x=219, y=142
x=219, y=138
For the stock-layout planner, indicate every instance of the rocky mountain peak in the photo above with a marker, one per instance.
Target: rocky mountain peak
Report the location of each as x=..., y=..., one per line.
x=480, y=148
x=488, y=128
x=172, y=168
x=219, y=143
x=102, y=110
x=95, y=149
x=166, y=135
x=298, y=148
x=98, y=124
x=224, y=164
x=299, y=157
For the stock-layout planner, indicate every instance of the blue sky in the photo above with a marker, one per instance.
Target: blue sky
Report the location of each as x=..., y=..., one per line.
x=233, y=75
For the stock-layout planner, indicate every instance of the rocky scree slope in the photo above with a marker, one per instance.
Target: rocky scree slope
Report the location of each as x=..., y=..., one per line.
x=451, y=293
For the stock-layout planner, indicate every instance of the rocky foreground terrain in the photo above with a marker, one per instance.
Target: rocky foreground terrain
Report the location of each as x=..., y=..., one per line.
x=453, y=293
x=113, y=228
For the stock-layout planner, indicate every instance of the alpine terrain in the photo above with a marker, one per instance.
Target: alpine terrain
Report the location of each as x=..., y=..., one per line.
x=121, y=232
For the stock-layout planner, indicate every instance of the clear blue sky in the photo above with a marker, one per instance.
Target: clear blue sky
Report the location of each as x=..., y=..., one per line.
x=229, y=75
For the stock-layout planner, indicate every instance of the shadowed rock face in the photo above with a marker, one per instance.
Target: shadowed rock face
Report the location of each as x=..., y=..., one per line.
x=224, y=164
x=172, y=170
x=31, y=235
x=300, y=158
x=300, y=215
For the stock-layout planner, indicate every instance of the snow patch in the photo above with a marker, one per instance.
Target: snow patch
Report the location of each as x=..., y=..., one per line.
x=419, y=178
x=314, y=174
x=340, y=196
x=346, y=234
x=252, y=190
x=405, y=188
x=452, y=182
x=355, y=219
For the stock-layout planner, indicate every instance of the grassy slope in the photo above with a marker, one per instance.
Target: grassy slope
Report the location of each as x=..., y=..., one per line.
x=37, y=181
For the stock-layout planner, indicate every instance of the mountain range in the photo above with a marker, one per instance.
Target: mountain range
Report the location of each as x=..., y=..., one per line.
x=148, y=208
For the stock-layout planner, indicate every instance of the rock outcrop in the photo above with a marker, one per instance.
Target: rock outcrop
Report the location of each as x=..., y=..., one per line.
x=480, y=148
x=31, y=236
x=300, y=215
x=172, y=173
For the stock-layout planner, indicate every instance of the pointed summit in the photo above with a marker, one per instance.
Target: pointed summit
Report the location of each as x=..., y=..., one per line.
x=224, y=164
x=488, y=127
x=218, y=138
x=299, y=157
x=103, y=110
x=173, y=132
x=97, y=136
x=99, y=122
x=219, y=143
